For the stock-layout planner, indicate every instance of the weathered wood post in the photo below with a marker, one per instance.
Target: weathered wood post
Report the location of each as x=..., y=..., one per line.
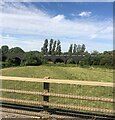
x=46, y=90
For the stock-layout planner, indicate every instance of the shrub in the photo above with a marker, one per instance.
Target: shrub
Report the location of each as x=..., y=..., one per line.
x=70, y=61
x=81, y=63
x=32, y=58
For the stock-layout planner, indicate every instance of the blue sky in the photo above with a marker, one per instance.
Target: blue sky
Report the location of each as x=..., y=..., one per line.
x=27, y=24
x=71, y=7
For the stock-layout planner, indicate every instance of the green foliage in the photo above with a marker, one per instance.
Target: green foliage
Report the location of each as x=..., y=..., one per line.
x=11, y=57
x=82, y=63
x=44, y=49
x=59, y=60
x=7, y=63
x=50, y=46
x=83, y=48
x=75, y=49
x=32, y=58
x=70, y=61
x=4, y=58
x=70, y=49
x=10, y=62
x=16, y=50
x=58, y=49
x=95, y=52
x=106, y=60
x=96, y=60
x=4, y=64
x=54, y=47
x=86, y=60
x=79, y=49
x=4, y=49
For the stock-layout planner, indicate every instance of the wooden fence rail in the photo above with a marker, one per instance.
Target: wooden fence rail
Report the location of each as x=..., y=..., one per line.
x=75, y=82
x=58, y=95
x=59, y=105
x=46, y=94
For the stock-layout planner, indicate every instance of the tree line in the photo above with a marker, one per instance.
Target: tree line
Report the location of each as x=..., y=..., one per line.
x=53, y=47
x=11, y=57
x=18, y=57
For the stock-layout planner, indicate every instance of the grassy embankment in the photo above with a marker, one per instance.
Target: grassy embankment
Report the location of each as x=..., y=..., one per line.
x=62, y=72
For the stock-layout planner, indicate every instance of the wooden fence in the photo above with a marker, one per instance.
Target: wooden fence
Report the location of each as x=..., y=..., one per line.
x=46, y=94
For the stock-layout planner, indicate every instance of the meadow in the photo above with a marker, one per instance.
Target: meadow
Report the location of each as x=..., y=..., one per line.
x=60, y=71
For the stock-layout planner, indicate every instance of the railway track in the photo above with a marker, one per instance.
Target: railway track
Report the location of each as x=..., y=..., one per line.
x=52, y=112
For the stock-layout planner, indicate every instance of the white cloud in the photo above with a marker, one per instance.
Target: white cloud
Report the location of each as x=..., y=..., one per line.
x=20, y=19
x=85, y=14
x=73, y=14
x=26, y=45
x=58, y=18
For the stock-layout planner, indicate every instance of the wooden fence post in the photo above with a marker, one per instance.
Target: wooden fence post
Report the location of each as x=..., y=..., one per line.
x=46, y=98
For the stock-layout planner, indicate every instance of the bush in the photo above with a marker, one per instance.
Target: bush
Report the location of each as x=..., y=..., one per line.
x=16, y=50
x=81, y=63
x=70, y=61
x=32, y=58
x=4, y=64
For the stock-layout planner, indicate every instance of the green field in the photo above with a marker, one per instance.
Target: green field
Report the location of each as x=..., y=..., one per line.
x=62, y=72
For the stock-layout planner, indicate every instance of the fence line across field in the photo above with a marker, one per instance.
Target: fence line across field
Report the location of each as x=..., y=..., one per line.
x=46, y=94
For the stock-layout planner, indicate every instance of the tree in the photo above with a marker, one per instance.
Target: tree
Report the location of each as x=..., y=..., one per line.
x=75, y=49
x=4, y=49
x=70, y=49
x=31, y=58
x=3, y=58
x=106, y=59
x=44, y=49
x=58, y=49
x=16, y=50
x=83, y=48
x=97, y=59
x=54, y=47
x=79, y=49
x=87, y=60
x=95, y=52
x=50, y=46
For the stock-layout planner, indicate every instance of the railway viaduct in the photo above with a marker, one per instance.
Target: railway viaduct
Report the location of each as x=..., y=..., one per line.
x=64, y=58
x=53, y=58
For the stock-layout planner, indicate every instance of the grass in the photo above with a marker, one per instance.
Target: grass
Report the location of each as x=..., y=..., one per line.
x=62, y=72
x=103, y=92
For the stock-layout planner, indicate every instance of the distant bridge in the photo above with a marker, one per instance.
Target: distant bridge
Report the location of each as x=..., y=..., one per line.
x=53, y=58
x=64, y=58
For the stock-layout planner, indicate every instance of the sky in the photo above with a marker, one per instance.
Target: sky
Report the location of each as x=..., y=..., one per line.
x=28, y=24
